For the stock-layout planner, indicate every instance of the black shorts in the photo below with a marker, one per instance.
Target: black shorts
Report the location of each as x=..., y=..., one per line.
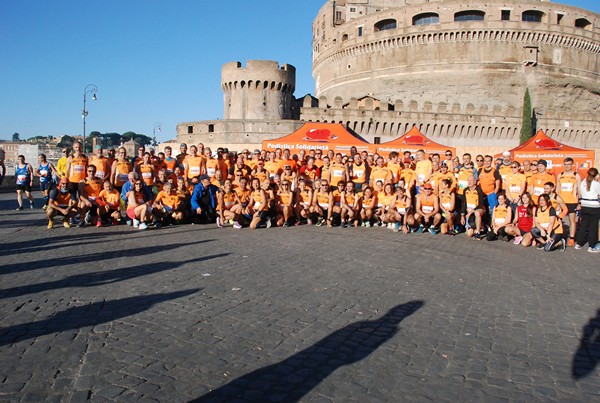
x=572, y=207
x=25, y=188
x=45, y=185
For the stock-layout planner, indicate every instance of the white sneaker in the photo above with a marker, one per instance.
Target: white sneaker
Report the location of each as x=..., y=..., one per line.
x=136, y=223
x=237, y=225
x=595, y=249
x=577, y=246
x=142, y=226
x=219, y=224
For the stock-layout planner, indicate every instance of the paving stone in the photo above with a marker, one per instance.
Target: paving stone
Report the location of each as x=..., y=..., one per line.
x=113, y=314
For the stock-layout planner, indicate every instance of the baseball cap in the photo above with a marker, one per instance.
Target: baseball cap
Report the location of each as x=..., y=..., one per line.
x=427, y=186
x=204, y=176
x=98, y=147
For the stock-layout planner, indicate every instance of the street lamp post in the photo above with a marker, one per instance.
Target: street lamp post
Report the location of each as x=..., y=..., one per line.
x=90, y=88
x=157, y=126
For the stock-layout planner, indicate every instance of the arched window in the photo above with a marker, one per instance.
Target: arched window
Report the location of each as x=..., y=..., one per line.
x=469, y=15
x=582, y=23
x=426, y=19
x=385, y=25
x=532, y=16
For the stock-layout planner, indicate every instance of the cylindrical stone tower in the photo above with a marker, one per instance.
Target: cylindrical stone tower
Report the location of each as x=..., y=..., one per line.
x=262, y=90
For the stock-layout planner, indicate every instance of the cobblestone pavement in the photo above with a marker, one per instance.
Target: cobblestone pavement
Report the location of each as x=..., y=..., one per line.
x=290, y=314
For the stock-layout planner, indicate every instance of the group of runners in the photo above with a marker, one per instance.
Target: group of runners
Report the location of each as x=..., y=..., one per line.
x=485, y=198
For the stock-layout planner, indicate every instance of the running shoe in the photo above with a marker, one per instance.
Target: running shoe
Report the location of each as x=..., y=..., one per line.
x=432, y=230
x=397, y=227
x=44, y=207
x=219, y=223
x=595, y=249
x=19, y=208
x=142, y=226
x=420, y=229
x=32, y=205
x=540, y=246
x=320, y=222
x=269, y=223
x=518, y=240
x=98, y=223
x=309, y=222
x=50, y=223
x=563, y=245
x=237, y=225
x=548, y=246
x=286, y=224
x=136, y=223
x=66, y=223
x=368, y=224
x=297, y=223
x=577, y=246
x=478, y=236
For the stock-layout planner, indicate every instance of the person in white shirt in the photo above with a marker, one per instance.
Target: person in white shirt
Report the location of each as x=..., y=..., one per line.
x=589, y=199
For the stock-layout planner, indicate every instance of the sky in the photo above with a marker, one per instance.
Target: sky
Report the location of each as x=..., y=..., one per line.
x=152, y=61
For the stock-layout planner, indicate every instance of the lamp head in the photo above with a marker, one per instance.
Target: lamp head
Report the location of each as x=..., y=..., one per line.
x=94, y=98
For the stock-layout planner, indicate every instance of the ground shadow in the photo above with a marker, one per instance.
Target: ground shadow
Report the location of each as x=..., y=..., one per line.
x=587, y=356
x=88, y=315
x=93, y=257
x=25, y=247
x=292, y=378
x=102, y=277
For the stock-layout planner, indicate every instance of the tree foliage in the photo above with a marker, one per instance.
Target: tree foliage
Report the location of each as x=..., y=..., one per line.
x=527, y=120
x=16, y=137
x=66, y=141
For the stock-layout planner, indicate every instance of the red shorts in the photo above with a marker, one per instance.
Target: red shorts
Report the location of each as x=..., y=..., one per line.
x=131, y=213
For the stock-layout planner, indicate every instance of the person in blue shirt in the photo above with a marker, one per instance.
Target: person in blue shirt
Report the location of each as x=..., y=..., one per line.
x=45, y=172
x=204, y=201
x=24, y=179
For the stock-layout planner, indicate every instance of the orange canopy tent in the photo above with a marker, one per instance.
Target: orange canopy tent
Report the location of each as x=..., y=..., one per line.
x=413, y=141
x=319, y=136
x=543, y=147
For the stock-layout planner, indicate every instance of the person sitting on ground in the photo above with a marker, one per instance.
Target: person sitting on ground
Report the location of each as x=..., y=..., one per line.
x=284, y=200
x=108, y=204
x=62, y=201
x=138, y=206
x=367, y=206
x=501, y=217
x=547, y=227
x=473, y=208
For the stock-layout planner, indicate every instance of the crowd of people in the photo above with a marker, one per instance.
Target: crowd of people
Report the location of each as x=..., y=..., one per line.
x=438, y=194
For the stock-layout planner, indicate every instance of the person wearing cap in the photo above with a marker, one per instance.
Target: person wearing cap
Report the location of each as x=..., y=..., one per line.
x=204, y=201
x=427, y=210
x=62, y=201
x=505, y=168
x=539, y=179
x=100, y=162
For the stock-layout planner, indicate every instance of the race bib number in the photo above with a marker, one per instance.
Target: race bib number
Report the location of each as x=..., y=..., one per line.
x=566, y=187
x=446, y=206
x=359, y=174
x=463, y=184
x=147, y=175
x=211, y=171
x=427, y=209
x=499, y=221
x=545, y=225
x=515, y=189
x=21, y=178
x=538, y=191
x=195, y=170
x=100, y=175
x=78, y=169
x=402, y=210
x=337, y=172
x=421, y=177
x=471, y=206
x=123, y=178
x=44, y=172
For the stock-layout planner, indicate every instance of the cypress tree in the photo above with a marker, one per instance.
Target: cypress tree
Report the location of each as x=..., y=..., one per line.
x=526, y=123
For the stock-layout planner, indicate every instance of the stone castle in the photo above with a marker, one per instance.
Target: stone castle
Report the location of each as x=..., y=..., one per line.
x=456, y=70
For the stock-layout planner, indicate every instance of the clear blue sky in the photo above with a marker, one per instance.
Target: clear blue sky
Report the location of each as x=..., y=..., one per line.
x=153, y=61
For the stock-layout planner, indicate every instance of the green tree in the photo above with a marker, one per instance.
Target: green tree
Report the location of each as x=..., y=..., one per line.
x=66, y=141
x=128, y=136
x=527, y=120
x=16, y=137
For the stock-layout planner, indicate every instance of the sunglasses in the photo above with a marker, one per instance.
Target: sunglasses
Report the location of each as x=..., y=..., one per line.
x=479, y=160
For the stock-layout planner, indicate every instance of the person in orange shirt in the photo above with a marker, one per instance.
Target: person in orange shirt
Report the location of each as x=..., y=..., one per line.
x=424, y=169
x=515, y=185
x=567, y=185
x=358, y=172
x=489, y=181
x=62, y=201
x=182, y=156
x=336, y=207
x=427, y=211
x=212, y=164
x=501, y=218
x=146, y=169
x=528, y=169
x=273, y=167
x=385, y=200
x=76, y=165
x=109, y=201
x=326, y=169
x=322, y=203
x=139, y=158
x=338, y=171
x=505, y=168
x=258, y=207
x=539, y=179
x=165, y=206
x=547, y=227
x=394, y=166
x=120, y=169
x=472, y=209
x=284, y=201
x=319, y=158
x=448, y=204
x=401, y=211
x=170, y=162
x=350, y=211
x=367, y=206
x=89, y=190
x=302, y=201
x=194, y=164
x=288, y=160
x=380, y=173
x=100, y=162
x=159, y=163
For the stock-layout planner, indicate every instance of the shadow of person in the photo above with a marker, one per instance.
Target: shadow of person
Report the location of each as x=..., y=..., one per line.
x=103, y=277
x=292, y=378
x=87, y=315
x=587, y=356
